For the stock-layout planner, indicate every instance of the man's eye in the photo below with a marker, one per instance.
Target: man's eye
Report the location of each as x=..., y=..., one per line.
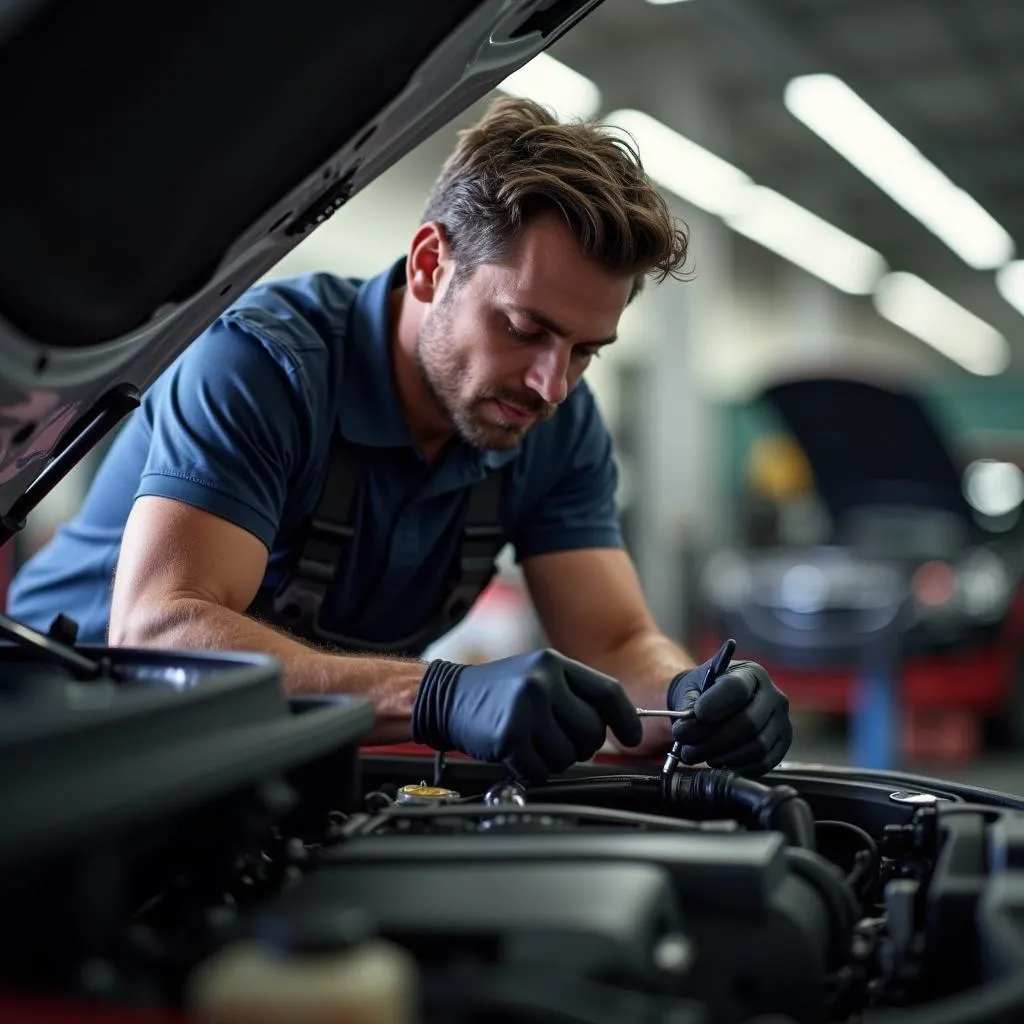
x=517, y=333
x=588, y=353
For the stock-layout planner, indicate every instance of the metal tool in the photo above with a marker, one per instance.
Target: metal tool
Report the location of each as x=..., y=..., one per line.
x=719, y=663
x=649, y=713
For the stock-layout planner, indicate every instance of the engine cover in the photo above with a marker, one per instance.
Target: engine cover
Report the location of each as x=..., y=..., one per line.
x=604, y=921
x=719, y=918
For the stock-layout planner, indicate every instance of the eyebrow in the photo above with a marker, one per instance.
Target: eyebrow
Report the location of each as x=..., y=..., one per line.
x=549, y=324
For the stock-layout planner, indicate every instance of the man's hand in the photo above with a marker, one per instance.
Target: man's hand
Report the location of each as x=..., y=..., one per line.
x=740, y=722
x=538, y=712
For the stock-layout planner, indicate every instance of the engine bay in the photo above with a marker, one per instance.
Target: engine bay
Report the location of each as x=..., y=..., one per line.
x=188, y=841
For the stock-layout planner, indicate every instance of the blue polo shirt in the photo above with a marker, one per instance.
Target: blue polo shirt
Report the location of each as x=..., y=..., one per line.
x=241, y=425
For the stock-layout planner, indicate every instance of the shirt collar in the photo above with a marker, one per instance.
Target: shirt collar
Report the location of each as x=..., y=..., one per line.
x=369, y=412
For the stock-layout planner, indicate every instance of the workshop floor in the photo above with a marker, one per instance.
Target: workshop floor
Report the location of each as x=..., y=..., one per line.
x=822, y=741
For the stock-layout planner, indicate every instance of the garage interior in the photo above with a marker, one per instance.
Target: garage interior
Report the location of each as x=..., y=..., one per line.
x=806, y=267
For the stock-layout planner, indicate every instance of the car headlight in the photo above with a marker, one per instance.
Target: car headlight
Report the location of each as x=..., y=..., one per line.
x=983, y=585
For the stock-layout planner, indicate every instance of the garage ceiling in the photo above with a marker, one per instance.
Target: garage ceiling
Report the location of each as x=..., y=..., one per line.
x=947, y=74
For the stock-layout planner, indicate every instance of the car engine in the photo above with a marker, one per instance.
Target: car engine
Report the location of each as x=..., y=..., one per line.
x=180, y=840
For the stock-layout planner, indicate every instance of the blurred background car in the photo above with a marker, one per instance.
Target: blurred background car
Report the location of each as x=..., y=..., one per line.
x=874, y=573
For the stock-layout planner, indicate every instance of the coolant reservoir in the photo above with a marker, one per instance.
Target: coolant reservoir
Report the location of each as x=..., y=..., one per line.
x=259, y=982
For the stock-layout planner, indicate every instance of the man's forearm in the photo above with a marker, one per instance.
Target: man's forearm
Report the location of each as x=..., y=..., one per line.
x=644, y=664
x=194, y=624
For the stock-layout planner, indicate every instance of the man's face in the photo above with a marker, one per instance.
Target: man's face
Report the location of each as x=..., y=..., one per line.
x=503, y=348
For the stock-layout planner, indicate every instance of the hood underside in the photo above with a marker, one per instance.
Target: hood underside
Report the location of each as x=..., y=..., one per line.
x=869, y=445
x=158, y=160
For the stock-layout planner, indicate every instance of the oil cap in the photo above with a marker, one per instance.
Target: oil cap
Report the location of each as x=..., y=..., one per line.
x=420, y=794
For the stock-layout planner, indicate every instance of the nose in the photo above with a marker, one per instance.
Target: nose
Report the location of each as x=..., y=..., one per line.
x=548, y=374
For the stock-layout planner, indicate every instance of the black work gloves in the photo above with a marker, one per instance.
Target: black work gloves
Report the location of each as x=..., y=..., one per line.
x=740, y=722
x=538, y=712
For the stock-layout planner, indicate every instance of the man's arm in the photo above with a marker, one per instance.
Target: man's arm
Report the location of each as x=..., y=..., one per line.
x=592, y=608
x=185, y=578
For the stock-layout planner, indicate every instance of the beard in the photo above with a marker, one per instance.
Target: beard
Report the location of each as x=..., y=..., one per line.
x=472, y=411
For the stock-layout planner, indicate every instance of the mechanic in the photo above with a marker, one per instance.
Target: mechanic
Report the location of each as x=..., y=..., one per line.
x=327, y=473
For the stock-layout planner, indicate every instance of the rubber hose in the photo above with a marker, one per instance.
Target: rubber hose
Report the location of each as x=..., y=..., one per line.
x=777, y=808
x=648, y=780
x=792, y=817
x=612, y=785
x=838, y=894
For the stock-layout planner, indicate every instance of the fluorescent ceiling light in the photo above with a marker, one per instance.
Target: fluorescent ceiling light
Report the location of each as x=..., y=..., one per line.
x=838, y=115
x=805, y=239
x=555, y=85
x=705, y=180
x=681, y=166
x=1010, y=282
x=659, y=3
x=937, y=320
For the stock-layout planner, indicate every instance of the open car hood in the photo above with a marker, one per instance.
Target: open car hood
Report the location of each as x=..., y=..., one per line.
x=157, y=161
x=869, y=445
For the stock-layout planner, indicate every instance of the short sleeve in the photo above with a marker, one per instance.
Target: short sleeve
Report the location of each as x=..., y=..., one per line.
x=228, y=424
x=578, y=509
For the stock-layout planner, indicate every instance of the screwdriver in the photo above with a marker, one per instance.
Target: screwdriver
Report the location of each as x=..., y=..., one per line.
x=718, y=665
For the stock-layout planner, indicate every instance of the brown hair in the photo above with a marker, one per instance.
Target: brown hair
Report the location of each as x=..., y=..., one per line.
x=518, y=161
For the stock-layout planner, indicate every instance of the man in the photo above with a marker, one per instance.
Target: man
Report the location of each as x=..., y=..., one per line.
x=422, y=418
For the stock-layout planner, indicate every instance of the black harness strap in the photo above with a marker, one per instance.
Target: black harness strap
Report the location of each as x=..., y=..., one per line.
x=296, y=605
x=332, y=525
x=482, y=539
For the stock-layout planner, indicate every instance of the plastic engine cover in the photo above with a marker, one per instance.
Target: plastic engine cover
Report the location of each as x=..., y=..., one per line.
x=603, y=906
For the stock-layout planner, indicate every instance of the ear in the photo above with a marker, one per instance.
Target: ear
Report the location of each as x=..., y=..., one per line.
x=429, y=259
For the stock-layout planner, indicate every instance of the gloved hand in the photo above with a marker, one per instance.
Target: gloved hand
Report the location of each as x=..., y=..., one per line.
x=538, y=712
x=740, y=722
